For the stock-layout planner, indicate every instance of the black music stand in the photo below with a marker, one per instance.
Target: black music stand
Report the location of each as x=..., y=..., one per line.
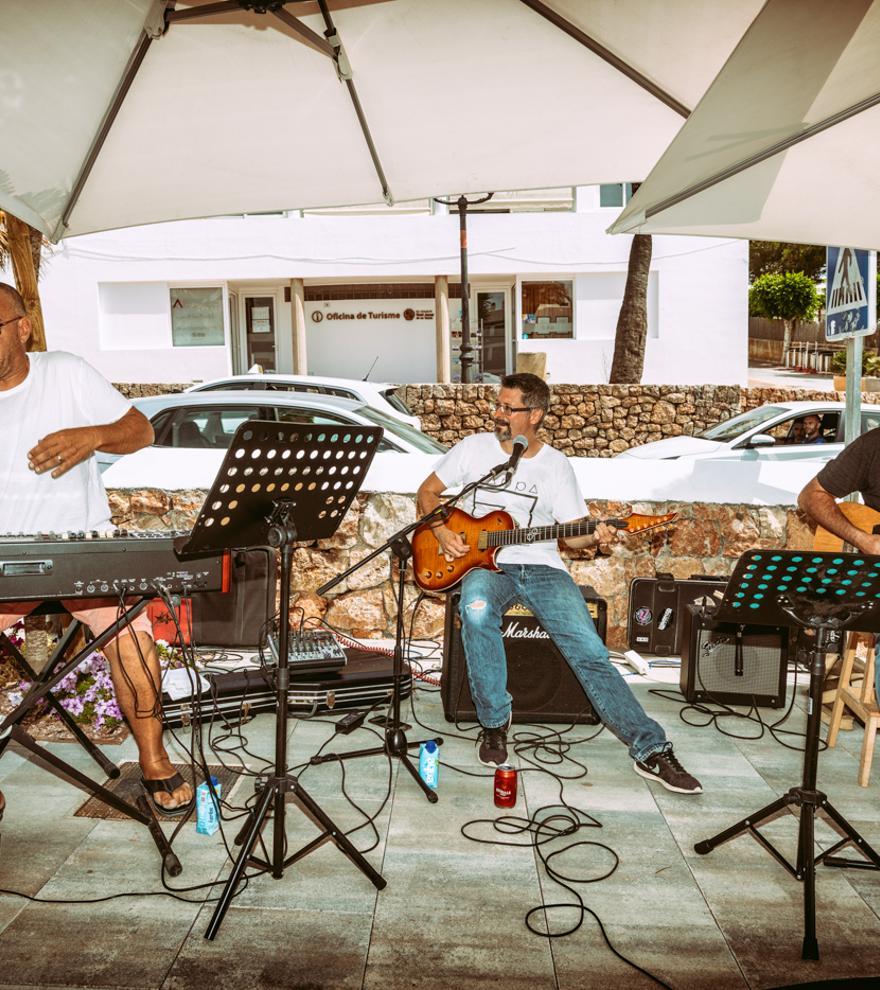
x=280, y=483
x=827, y=593
x=57, y=668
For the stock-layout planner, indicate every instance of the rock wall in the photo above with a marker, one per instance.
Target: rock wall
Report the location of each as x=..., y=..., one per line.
x=704, y=539
x=598, y=420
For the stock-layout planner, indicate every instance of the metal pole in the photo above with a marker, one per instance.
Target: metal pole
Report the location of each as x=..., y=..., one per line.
x=465, y=350
x=853, y=412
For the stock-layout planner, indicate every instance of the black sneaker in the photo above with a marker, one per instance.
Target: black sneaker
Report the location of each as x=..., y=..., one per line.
x=493, y=745
x=671, y=774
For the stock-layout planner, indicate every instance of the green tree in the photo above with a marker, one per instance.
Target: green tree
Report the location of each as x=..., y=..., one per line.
x=790, y=296
x=776, y=258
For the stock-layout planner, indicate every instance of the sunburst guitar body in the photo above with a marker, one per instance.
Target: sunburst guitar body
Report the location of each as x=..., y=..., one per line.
x=861, y=516
x=486, y=535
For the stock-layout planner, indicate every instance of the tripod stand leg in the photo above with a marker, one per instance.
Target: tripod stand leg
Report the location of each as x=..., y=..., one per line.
x=744, y=825
x=807, y=873
x=872, y=862
x=241, y=862
x=332, y=831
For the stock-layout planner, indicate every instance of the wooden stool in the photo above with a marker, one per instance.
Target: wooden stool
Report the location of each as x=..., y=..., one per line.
x=861, y=700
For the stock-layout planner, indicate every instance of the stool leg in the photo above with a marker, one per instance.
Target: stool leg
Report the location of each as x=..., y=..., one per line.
x=837, y=710
x=867, y=750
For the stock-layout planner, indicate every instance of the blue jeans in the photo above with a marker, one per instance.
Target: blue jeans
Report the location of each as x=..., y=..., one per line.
x=553, y=597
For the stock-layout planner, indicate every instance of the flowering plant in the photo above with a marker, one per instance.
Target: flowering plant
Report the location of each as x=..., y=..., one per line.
x=87, y=692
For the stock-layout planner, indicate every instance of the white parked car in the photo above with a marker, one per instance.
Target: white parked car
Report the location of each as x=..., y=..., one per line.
x=767, y=433
x=208, y=420
x=380, y=395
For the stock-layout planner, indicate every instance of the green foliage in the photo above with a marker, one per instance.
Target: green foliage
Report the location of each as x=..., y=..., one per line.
x=870, y=363
x=785, y=296
x=776, y=258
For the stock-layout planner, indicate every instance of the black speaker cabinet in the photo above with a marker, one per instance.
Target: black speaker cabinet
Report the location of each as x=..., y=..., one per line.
x=656, y=610
x=541, y=683
x=732, y=664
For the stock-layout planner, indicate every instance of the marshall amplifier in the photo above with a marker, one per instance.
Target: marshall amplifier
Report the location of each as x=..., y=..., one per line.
x=657, y=606
x=732, y=664
x=541, y=683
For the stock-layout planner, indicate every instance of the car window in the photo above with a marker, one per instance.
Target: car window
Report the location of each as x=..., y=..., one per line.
x=313, y=417
x=394, y=400
x=208, y=427
x=870, y=421
x=421, y=441
x=730, y=429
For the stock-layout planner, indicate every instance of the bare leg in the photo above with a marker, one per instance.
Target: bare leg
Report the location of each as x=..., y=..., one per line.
x=134, y=667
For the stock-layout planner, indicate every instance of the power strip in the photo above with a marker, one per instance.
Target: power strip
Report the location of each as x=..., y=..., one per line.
x=637, y=662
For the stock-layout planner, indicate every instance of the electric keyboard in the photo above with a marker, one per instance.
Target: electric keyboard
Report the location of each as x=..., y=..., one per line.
x=92, y=565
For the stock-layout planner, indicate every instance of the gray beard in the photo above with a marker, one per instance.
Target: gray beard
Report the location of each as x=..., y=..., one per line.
x=502, y=432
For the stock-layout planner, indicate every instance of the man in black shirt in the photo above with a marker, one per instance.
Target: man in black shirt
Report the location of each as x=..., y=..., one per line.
x=855, y=469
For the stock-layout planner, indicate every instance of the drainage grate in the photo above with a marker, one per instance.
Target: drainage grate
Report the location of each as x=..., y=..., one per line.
x=128, y=786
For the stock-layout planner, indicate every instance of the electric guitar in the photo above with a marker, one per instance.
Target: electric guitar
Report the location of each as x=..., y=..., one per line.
x=861, y=516
x=487, y=534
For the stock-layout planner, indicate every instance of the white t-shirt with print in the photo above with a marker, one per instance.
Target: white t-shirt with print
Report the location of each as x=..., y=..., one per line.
x=542, y=492
x=61, y=391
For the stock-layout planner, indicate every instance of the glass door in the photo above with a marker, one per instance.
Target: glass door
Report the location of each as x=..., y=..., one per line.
x=259, y=329
x=492, y=337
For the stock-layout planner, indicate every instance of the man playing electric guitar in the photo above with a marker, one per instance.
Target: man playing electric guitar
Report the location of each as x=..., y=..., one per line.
x=542, y=490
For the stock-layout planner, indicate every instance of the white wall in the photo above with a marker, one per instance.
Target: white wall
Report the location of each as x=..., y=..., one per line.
x=697, y=297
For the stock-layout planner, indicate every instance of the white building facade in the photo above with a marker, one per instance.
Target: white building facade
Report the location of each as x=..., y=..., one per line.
x=378, y=294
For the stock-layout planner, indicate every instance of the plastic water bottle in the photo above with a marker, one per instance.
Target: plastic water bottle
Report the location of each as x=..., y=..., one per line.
x=429, y=763
x=207, y=811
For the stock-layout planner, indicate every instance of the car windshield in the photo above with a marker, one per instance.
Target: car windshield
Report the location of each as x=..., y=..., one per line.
x=421, y=441
x=730, y=429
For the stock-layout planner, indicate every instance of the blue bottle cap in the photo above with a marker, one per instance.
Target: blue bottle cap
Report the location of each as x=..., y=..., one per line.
x=430, y=746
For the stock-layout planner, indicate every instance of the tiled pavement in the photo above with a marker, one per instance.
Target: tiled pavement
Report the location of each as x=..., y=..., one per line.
x=452, y=913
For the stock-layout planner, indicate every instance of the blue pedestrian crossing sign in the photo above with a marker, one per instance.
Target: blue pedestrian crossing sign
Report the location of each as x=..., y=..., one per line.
x=850, y=302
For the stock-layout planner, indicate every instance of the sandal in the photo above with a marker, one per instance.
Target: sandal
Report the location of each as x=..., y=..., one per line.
x=2, y=805
x=168, y=785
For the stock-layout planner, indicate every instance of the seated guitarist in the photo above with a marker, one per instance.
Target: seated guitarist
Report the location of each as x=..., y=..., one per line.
x=542, y=491
x=55, y=412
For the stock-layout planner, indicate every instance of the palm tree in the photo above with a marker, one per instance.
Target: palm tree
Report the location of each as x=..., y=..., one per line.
x=23, y=245
x=632, y=321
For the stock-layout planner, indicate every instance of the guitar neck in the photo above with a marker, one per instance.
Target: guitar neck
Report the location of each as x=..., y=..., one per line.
x=537, y=534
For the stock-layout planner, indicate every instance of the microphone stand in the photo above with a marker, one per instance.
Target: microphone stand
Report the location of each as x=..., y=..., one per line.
x=396, y=743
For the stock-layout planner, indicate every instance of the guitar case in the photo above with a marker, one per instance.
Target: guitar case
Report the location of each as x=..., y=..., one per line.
x=656, y=610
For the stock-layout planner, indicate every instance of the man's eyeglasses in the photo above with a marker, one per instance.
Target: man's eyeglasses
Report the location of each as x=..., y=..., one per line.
x=14, y=319
x=510, y=410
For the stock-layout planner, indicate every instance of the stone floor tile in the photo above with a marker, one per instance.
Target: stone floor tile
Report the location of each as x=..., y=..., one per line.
x=278, y=948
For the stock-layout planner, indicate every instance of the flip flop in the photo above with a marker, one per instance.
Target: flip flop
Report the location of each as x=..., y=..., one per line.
x=168, y=785
x=2, y=805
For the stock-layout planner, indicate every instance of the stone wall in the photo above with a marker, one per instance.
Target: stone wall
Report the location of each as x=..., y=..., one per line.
x=704, y=539
x=598, y=420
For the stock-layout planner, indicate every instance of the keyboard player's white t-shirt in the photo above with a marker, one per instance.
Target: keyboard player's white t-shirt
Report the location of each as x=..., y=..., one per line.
x=60, y=391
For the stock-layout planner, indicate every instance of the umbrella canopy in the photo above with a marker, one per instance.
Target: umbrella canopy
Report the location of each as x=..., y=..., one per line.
x=785, y=145
x=116, y=114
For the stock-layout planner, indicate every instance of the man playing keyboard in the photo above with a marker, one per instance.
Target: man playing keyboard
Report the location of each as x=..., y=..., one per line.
x=55, y=412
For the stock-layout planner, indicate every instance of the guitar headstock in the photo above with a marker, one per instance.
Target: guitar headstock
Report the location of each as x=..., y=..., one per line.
x=639, y=523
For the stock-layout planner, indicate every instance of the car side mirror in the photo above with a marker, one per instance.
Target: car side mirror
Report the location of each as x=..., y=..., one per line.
x=762, y=440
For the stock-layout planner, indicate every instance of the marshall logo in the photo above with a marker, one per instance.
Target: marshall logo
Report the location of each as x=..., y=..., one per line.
x=513, y=630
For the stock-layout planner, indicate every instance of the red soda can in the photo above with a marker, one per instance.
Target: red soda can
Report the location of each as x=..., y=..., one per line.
x=505, y=786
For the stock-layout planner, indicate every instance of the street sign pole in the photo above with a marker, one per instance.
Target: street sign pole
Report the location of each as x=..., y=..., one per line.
x=851, y=314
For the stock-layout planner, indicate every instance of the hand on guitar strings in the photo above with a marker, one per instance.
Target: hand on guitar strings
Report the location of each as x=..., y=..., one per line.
x=451, y=543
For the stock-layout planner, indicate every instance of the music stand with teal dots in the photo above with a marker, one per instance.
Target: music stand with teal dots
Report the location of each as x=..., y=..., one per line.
x=826, y=593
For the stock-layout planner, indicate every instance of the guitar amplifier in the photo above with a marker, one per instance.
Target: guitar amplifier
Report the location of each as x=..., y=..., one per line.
x=657, y=606
x=732, y=664
x=541, y=683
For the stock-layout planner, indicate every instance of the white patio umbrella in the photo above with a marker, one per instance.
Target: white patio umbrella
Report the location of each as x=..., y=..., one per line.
x=785, y=145
x=121, y=113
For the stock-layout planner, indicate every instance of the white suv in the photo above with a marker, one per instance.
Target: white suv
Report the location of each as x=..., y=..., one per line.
x=380, y=395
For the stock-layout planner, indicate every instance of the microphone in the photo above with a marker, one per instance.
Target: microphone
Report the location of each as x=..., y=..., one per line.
x=520, y=446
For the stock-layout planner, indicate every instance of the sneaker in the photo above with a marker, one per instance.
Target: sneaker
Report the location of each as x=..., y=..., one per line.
x=671, y=774
x=493, y=745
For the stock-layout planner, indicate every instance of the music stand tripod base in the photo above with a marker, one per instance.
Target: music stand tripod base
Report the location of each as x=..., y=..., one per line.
x=281, y=483
x=827, y=593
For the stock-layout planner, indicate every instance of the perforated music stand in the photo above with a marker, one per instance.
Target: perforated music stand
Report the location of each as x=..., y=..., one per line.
x=826, y=593
x=280, y=483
